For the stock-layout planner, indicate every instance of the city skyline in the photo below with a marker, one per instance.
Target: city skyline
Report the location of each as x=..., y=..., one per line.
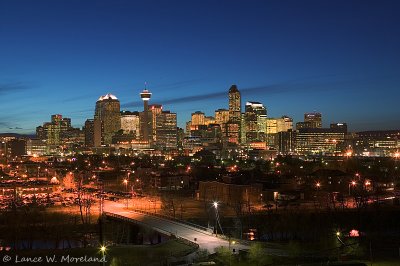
x=229, y=132
x=327, y=57
x=182, y=124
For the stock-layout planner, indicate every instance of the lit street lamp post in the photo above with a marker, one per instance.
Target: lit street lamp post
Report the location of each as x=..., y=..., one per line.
x=103, y=251
x=216, y=217
x=352, y=183
x=126, y=190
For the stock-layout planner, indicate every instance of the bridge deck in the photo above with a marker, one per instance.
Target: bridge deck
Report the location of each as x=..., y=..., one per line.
x=204, y=239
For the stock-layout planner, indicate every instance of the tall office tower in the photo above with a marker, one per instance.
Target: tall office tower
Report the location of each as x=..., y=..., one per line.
x=188, y=128
x=180, y=137
x=16, y=147
x=242, y=132
x=221, y=116
x=255, y=122
x=130, y=123
x=286, y=144
x=54, y=131
x=314, y=119
x=145, y=121
x=285, y=123
x=167, y=133
x=154, y=111
x=41, y=133
x=198, y=119
x=234, y=104
x=64, y=122
x=339, y=126
x=97, y=134
x=56, y=119
x=233, y=125
x=89, y=132
x=275, y=126
x=107, y=114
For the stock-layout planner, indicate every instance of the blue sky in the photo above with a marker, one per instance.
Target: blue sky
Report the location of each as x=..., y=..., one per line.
x=340, y=58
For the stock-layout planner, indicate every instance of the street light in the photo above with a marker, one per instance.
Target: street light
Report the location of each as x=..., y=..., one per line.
x=352, y=183
x=103, y=251
x=216, y=217
x=367, y=184
x=338, y=237
x=126, y=190
x=358, y=176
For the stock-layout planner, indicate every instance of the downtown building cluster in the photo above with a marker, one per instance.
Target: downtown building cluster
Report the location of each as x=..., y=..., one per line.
x=113, y=130
x=252, y=134
x=234, y=132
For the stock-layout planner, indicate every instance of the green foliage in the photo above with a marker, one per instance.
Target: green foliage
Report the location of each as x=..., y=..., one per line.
x=294, y=249
x=115, y=262
x=202, y=255
x=258, y=255
x=223, y=255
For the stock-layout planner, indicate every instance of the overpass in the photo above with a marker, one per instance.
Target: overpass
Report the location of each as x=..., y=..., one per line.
x=191, y=232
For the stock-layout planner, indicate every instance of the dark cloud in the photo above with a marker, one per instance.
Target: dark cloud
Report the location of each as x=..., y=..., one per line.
x=164, y=87
x=177, y=85
x=80, y=97
x=270, y=89
x=13, y=87
x=5, y=124
x=306, y=85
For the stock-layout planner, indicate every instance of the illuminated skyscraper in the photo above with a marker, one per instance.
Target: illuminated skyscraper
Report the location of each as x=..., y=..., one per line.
x=166, y=128
x=89, y=133
x=255, y=119
x=130, y=123
x=108, y=114
x=276, y=126
x=311, y=120
x=154, y=111
x=145, y=121
x=315, y=119
x=198, y=118
x=54, y=131
x=233, y=125
x=234, y=104
x=319, y=140
x=221, y=116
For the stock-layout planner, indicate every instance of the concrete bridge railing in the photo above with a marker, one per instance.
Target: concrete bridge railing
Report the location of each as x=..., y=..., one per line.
x=203, y=228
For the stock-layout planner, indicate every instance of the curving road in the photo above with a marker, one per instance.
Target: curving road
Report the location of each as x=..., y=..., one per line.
x=204, y=239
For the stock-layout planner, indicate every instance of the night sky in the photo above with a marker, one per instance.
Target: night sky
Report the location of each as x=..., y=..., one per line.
x=341, y=58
